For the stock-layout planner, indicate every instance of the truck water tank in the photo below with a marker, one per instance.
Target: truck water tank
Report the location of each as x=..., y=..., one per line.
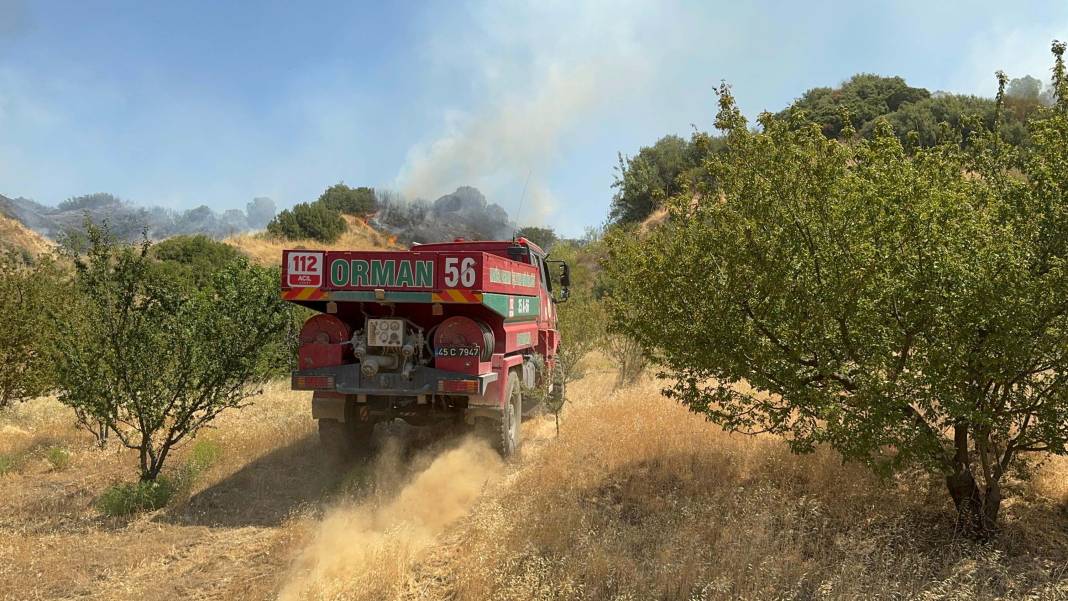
x=460, y=336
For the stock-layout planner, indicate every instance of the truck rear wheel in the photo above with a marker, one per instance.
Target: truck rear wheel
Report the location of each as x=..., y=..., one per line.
x=345, y=441
x=504, y=433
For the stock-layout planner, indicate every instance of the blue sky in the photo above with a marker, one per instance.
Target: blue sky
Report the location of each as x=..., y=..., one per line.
x=188, y=103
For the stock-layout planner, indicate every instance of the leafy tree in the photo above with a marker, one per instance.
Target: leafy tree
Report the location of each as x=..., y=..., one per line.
x=196, y=259
x=1024, y=88
x=544, y=237
x=655, y=174
x=865, y=97
x=1024, y=96
x=903, y=308
x=581, y=320
x=352, y=201
x=151, y=362
x=308, y=220
x=935, y=118
x=26, y=293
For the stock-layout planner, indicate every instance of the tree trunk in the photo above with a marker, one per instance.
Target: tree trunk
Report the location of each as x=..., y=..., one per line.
x=977, y=509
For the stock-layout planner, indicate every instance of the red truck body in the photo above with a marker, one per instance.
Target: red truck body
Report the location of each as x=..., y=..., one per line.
x=447, y=331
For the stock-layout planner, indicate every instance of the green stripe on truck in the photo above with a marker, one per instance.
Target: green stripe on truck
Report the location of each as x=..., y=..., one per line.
x=512, y=307
x=391, y=296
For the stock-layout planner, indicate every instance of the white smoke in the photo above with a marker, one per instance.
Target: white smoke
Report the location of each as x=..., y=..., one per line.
x=543, y=70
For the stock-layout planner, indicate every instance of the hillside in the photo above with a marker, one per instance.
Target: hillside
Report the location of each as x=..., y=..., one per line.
x=266, y=249
x=635, y=499
x=15, y=236
x=128, y=221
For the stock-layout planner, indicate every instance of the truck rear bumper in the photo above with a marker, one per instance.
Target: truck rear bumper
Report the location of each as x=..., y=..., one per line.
x=348, y=379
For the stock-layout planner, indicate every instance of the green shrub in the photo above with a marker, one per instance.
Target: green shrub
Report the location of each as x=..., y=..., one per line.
x=8, y=464
x=195, y=259
x=58, y=457
x=127, y=498
x=353, y=201
x=195, y=250
x=203, y=455
x=308, y=220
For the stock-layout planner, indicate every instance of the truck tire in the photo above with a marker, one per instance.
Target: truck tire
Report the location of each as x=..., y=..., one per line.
x=345, y=441
x=506, y=437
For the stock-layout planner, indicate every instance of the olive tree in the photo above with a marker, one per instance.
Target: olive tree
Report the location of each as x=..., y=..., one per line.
x=901, y=306
x=150, y=360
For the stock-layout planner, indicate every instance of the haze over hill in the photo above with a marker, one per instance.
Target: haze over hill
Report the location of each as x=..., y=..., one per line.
x=127, y=220
x=463, y=213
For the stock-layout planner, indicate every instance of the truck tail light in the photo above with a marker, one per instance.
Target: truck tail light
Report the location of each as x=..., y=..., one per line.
x=313, y=382
x=461, y=386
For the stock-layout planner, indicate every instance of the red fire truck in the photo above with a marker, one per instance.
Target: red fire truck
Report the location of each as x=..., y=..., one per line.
x=463, y=331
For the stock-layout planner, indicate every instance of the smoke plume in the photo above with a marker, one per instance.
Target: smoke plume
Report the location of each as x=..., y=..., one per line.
x=464, y=213
x=540, y=71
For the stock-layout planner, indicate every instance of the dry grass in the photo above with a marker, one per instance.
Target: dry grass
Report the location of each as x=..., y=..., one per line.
x=266, y=249
x=225, y=538
x=635, y=499
x=640, y=499
x=14, y=235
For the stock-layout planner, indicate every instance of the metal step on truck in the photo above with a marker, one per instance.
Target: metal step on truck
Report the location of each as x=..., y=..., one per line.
x=461, y=332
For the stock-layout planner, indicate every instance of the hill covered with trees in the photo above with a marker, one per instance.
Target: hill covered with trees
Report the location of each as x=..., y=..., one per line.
x=918, y=118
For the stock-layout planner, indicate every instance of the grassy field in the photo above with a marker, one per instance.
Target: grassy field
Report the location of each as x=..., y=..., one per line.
x=635, y=499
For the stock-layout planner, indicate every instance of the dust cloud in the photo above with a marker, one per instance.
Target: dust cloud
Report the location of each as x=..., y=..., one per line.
x=363, y=550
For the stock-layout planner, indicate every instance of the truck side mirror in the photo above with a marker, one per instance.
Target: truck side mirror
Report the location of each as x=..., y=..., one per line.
x=565, y=281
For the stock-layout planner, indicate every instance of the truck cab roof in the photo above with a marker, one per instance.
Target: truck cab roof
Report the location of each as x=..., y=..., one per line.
x=496, y=247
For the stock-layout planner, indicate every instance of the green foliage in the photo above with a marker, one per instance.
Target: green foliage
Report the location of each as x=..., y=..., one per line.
x=360, y=202
x=205, y=453
x=8, y=464
x=1024, y=88
x=58, y=458
x=867, y=98
x=127, y=498
x=581, y=322
x=308, y=220
x=194, y=258
x=26, y=335
x=867, y=297
x=929, y=119
x=657, y=173
x=864, y=96
x=544, y=237
x=150, y=361
x=581, y=319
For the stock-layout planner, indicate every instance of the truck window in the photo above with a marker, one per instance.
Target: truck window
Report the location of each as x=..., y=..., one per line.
x=545, y=277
